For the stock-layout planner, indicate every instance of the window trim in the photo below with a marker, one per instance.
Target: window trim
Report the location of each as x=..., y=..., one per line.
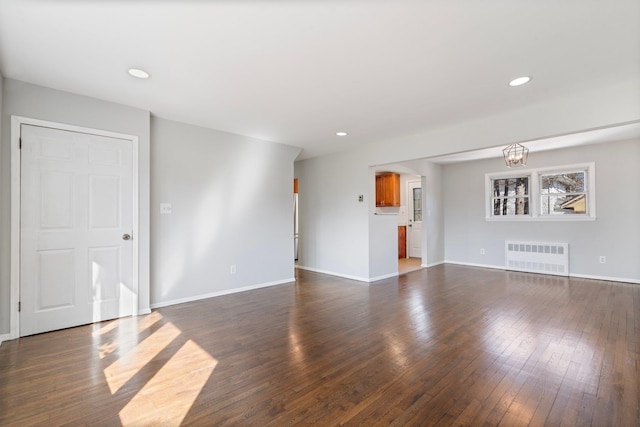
x=535, y=194
x=490, y=189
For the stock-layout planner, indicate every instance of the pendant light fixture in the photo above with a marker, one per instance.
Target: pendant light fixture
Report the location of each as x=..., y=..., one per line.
x=515, y=155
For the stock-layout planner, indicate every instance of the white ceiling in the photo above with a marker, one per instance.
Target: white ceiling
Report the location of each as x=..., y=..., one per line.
x=295, y=72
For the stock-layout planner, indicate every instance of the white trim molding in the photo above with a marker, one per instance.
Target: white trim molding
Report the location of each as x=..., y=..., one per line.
x=606, y=278
x=14, y=291
x=333, y=273
x=384, y=276
x=571, y=275
x=533, y=193
x=346, y=276
x=471, y=264
x=221, y=293
x=4, y=337
x=433, y=264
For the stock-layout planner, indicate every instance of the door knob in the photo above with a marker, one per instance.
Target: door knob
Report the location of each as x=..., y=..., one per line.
x=126, y=237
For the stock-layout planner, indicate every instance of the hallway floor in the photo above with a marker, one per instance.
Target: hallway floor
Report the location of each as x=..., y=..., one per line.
x=406, y=265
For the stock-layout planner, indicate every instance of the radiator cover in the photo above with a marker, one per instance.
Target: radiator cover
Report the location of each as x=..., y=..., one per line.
x=537, y=257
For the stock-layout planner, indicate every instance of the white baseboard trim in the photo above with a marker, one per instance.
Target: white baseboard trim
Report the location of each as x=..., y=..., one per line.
x=144, y=311
x=470, y=264
x=579, y=276
x=467, y=264
x=220, y=293
x=5, y=337
x=605, y=278
x=385, y=276
x=433, y=264
x=346, y=276
x=333, y=273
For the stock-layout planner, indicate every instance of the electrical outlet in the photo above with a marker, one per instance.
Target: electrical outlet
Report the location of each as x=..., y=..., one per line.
x=482, y=251
x=603, y=259
x=232, y=269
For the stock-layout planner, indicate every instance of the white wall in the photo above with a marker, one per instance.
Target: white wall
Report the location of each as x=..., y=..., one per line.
x=232, y=203
x=232, y=198
x=27, y=100
x=433, y=214
x=383, y=246
x=615, y=233
x=334, y=228
x=333, y=225
x=5, y=209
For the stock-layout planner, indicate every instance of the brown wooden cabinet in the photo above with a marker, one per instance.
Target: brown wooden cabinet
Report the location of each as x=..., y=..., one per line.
x=402, y=241
x=387, y=189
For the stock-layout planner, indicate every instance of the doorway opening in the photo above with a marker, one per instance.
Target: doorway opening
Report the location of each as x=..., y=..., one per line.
x=407, y=207
x=413, y=220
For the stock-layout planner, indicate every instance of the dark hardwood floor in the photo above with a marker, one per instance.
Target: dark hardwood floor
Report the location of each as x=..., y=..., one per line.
x=447, y=345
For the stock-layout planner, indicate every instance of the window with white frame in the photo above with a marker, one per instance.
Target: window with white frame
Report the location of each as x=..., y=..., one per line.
x=510, y=196
x=559, y=193
x=563, y=193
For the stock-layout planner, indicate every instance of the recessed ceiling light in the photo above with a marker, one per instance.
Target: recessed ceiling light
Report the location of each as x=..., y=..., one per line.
x=341, y=133
x=520, y=81
x=141, y=74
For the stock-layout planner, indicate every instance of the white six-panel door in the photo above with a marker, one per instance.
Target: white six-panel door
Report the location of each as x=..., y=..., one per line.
x=76, y=262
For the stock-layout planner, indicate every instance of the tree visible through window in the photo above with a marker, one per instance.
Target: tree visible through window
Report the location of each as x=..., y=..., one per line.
x=510, y=196
x=556, y=194
x=563, y=194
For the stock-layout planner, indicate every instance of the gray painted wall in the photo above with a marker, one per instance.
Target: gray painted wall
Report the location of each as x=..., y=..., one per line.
x=383, y=246
x=37, y=102
x=232, y=198
x=433, y=213
x=232, y=203
x=335, y=230
x=5, y=209
x=333, y=225
x=615, y=233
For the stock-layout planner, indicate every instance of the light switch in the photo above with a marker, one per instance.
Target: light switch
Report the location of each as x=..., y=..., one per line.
x=165, y=208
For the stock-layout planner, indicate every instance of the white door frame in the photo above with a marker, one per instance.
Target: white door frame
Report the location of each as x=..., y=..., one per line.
x=14, y=293
x=410, y=216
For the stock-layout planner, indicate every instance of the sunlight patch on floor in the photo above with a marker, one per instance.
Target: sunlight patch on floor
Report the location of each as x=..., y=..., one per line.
x=168, y=396
x=142, y=323
x=138, y=323
x=104, y=328
x=123, y=369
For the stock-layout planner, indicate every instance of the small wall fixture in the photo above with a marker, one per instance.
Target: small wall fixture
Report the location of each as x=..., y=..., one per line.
x=515, y=155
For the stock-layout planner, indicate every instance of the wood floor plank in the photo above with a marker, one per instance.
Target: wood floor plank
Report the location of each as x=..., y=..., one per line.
x=447, y=345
